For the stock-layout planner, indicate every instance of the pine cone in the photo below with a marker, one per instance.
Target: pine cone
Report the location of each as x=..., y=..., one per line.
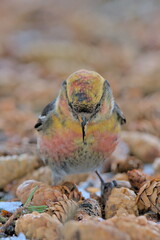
x=46, y=193
x=38, y=226
x=63, y=210
x=148, y=197
x=71, y=191
x=43, y=194
x=129, y=163
x=88, y=207
x=136, y=178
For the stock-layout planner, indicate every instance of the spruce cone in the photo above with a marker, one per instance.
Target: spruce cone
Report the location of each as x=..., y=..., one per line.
x=148, y=197
x=136, y=178
x=39, y=226
x=63, y=210
x=46, y=193
x=129, y=163
x=88, y=207
x=71, y=191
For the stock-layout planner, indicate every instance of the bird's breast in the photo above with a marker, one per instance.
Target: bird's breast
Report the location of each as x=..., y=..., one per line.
x=64, y=140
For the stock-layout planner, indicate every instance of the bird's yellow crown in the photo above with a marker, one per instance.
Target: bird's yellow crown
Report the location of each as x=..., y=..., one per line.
x=85, y=89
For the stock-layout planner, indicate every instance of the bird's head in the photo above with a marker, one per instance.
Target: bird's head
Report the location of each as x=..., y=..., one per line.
x=86, y=91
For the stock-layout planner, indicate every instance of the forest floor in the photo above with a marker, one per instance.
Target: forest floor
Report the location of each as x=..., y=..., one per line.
x=42, y=43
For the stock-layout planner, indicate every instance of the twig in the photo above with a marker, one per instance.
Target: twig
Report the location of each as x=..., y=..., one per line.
x=18, y=211
x=11, y=219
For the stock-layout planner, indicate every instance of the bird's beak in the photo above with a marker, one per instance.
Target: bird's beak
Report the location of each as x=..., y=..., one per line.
x=83, y=122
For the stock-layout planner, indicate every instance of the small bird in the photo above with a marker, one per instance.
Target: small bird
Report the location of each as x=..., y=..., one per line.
x=79, y=130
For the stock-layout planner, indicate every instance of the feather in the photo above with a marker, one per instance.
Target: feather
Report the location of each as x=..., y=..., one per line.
x=120, y=116
x=44, y=114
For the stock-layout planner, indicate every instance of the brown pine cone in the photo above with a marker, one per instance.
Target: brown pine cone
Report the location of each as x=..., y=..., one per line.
x=46, y=193
x=71, y=191
x=63, y=210
x=39, y=226
x=148, y=197
x=129, y=163
x=136, y=178
x=88, y=207
x=43, y=194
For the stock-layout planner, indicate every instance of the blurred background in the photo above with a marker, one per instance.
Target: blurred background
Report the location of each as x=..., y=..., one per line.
x=43, y=42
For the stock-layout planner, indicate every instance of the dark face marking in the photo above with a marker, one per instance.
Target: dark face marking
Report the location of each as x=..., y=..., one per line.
x=81, y=96
x=84, y=109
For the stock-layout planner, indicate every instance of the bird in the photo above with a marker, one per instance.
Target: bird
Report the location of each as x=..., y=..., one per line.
x=79, y=130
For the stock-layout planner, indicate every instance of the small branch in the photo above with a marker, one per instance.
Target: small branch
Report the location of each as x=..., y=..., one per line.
x=11, y=219
x=18, y=211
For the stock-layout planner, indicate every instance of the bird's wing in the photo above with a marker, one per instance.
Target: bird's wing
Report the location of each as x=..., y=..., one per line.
x=42, y=118
x=120, y=116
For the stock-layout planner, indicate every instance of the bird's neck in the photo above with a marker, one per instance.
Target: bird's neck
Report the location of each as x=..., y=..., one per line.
x=62, y=106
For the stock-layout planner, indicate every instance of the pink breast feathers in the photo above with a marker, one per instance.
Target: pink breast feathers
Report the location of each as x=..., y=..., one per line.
x=105, y=143
x=60, y=145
